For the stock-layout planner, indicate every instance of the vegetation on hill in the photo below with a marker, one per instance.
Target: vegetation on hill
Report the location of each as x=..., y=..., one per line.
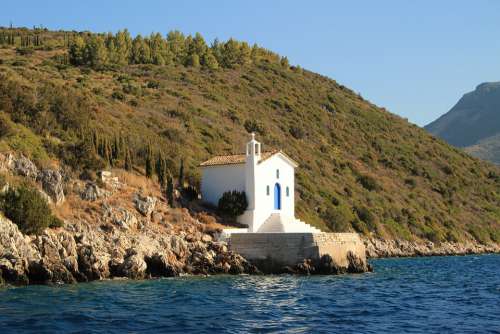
x=361, y=167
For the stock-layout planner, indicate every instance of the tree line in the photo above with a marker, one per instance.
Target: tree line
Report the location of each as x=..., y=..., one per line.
x=116, y=151
x=19, y=39
x=99, y=50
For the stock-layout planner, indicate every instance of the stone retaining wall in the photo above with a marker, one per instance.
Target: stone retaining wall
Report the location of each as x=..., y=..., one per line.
x=288, y=249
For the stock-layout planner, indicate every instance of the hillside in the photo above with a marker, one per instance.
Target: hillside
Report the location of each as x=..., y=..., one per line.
x=361, y=167
x=473, y=123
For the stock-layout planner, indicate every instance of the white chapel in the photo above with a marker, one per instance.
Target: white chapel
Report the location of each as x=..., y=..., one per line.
x=267, y=178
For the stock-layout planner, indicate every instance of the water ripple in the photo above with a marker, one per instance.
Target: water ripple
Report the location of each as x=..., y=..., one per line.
x=421, y=295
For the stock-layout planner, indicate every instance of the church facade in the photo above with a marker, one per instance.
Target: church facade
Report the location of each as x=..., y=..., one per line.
x=268, y=180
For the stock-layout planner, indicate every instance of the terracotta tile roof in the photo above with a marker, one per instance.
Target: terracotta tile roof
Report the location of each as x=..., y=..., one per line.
x=235, y=159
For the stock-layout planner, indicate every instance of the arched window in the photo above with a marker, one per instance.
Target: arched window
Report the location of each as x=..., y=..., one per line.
x=277, y=173
x=287, y=192
x=267, y=190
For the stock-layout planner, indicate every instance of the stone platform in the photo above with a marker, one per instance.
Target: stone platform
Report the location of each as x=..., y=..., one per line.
x=277, y=250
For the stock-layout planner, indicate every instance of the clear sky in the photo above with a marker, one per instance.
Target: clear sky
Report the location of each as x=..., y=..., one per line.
x=416, y=58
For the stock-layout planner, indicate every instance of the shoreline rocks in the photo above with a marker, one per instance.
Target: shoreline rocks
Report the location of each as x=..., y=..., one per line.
x=83, y=252
x=380, y=248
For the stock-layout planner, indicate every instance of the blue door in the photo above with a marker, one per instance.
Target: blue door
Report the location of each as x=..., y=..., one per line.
x=277, y=196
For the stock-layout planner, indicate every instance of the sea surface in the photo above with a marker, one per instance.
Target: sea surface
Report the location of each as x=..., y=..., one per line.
x=408, y=295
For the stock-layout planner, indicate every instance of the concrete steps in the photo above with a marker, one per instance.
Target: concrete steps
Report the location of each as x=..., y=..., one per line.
x=278, y=223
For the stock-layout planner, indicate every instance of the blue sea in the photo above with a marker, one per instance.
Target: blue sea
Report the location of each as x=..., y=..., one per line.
x=408, y=295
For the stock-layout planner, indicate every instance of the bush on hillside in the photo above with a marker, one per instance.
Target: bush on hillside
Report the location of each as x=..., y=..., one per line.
x=367, y=217
x=368, y=182
x=254, y=126
x=5, y=126
x=233, y=203
x=28, y=210
x=338, y=218
x=190, y=193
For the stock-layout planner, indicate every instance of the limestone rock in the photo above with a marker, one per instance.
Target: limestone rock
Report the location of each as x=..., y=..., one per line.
x=133, y=266
x=178, y=246
x=145, y=204
x=163, y=265
x=52, y=184
x=92, y=192
x=120, y=217
x=15, y=253
x=24, y=166
x=110, y=180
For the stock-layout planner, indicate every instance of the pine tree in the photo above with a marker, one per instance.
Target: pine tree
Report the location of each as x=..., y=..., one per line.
x=284, y=62
x=193, y=60
x=77, y=51
x=230, y=53
x=245, y=54
x=123, y=46
x=158, y=49
x=209, y=61
x=177, y=45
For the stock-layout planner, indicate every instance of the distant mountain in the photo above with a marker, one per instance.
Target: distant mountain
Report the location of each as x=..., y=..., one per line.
x=473, y=123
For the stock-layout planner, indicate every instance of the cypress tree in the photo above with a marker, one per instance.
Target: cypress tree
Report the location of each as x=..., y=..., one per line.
x=170, y=190
x=149, y=165
x=181, y=174
x=160, y=170
x=128, y=161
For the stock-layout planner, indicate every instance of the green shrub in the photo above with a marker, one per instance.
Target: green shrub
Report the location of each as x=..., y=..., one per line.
x=118, y=95
x=410, y=182
x=360, y=227
x=28, y=210
x=297, y=132
x=153, y=84
x=233, y=203
x=25, y=51
x=254, y=126
x=479, y=234
x=367, y=217
x=338, y=218
x=5, y=126
x=368, y=182
x=190, y=193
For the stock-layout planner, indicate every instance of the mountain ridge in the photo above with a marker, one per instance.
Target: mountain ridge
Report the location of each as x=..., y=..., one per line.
x=473, y=118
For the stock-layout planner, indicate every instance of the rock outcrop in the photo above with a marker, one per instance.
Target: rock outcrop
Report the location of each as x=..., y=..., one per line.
x=93, y=192
x=52, y=185
x=145, y=204
x=376, y=248
x=82, y=252
x=51, y=180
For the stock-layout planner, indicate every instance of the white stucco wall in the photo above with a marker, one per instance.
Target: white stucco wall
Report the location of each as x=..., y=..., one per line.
x=266, y=176
x=216, y=180
x=221, y=178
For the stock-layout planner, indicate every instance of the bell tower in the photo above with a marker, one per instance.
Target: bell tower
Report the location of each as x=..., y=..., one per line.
x=253, y=151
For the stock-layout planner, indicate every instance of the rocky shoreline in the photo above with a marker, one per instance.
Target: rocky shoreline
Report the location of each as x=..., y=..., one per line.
x=120, y=226
x=379, y=248
x=82, y=252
